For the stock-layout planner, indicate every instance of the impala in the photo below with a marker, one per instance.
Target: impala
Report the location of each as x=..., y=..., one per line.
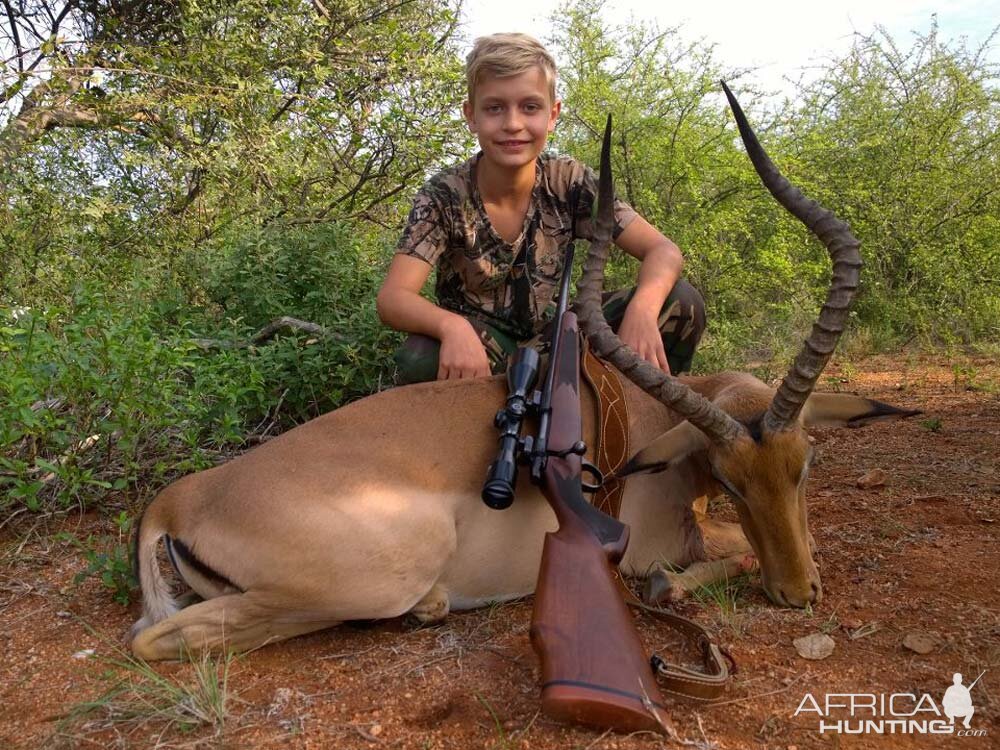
x=374, y=510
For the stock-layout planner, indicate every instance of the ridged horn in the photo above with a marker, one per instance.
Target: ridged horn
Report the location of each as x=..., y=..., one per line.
x=842, y=246
x=714, y=422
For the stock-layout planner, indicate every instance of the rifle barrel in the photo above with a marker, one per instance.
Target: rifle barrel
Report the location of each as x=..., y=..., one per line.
x=545, y=408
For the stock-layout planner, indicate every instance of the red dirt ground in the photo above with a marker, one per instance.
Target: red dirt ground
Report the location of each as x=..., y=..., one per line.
x=918, y=555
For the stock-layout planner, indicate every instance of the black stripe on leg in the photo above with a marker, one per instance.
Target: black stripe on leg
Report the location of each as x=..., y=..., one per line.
x=880, y=410
x=135, y=546
x=176, y=546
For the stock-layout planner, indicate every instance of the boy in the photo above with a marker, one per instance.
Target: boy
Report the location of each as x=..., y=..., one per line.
x=497, y=228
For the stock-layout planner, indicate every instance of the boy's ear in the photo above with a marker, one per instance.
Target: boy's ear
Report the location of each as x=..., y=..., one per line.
x=469, y=114
x=554, y=115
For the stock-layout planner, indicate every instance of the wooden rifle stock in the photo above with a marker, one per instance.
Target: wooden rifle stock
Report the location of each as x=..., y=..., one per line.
x=594, y=668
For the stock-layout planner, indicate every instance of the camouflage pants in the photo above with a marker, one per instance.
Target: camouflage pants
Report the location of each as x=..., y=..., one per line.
x=681, y=322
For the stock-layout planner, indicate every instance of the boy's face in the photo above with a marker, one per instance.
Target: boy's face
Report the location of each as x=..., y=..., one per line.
x=512, y=117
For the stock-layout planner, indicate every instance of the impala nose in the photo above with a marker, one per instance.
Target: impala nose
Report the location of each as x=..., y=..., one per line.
x=800, y=596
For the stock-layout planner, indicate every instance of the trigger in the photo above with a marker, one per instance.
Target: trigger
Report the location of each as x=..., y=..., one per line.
x=594, y=472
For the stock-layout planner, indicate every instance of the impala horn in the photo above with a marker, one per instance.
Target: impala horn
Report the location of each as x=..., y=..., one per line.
x=714, y=422
x=836, y=236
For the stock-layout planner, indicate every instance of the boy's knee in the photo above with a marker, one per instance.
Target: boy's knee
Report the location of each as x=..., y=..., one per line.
x=692, y=310
x=682, y=323
x=417, y=359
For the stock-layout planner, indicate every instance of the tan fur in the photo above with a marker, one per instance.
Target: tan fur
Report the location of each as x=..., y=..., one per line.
x=373, y=510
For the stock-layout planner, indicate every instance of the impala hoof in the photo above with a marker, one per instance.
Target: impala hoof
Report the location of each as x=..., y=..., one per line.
x=433, y=608
x=661, y=588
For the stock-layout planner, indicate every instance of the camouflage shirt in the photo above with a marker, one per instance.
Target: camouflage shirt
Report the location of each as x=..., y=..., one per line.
x=508, y=285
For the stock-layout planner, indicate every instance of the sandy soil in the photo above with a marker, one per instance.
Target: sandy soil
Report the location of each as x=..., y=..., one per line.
x=917, y=556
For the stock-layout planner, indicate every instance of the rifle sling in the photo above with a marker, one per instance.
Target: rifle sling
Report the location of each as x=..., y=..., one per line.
x=611, y=449
x=681, y=681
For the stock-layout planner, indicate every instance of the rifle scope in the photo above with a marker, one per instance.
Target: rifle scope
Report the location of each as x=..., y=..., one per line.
x=498, y=492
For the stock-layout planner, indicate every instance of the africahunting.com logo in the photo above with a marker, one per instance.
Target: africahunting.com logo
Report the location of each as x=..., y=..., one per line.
x=895, y=713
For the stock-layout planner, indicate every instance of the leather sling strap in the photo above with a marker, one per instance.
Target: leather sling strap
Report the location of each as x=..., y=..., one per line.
x=612, y=448
x=681, y=681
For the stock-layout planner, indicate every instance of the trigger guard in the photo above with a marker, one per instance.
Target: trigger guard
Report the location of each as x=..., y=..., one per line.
x=596, y=473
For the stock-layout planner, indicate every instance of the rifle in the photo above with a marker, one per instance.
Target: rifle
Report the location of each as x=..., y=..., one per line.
x=594, y=668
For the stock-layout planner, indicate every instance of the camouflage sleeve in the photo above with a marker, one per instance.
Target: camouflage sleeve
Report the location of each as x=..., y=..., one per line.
x=586, y=207
x=425, y=235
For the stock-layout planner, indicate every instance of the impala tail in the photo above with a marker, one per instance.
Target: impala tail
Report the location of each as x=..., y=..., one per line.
x=157, y=601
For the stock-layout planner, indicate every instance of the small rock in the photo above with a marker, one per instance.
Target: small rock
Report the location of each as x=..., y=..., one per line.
x=849, y=623
x=920, y=642
x=815, y=646
x=874, y=478
x=64, y=614
x=84, y=654
x=282, y=697
x=375, y=730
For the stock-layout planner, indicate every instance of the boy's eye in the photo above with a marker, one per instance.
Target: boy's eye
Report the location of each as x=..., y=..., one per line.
x=494, y=108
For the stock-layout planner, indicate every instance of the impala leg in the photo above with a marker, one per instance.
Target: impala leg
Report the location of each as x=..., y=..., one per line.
x=724, y=539
x=434, y=607
x=665, y=586
x=237, y=622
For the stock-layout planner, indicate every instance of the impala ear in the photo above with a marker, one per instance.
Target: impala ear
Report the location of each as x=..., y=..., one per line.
x=847, y=410
x=669, y=448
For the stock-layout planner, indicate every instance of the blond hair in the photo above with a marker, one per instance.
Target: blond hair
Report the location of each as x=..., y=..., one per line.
x=505, y=55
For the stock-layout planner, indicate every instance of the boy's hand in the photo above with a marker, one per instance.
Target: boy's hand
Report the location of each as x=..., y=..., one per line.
x=462, y=353
x=639, y=331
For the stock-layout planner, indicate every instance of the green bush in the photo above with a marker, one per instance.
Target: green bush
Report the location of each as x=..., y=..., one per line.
x=318, y=273
x=116, y=392
x=107, y=559
x=900, y=142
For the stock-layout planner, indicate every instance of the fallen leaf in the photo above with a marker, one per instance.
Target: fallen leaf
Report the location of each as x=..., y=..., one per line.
x=920, y=642
x=874, y=478
x=815, y=646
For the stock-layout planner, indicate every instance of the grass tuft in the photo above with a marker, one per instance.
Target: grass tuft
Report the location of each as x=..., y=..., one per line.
x=726, y=599
x=198, y=698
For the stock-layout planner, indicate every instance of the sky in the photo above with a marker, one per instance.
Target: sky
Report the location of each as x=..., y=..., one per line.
x=782, y=39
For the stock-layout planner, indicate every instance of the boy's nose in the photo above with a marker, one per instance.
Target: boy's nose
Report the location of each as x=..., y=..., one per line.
x=512, y=122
